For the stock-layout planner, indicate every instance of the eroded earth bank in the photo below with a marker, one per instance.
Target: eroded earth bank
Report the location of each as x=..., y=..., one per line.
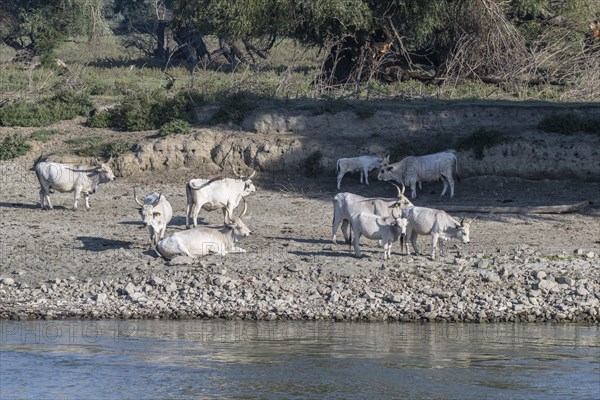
x=96, y=264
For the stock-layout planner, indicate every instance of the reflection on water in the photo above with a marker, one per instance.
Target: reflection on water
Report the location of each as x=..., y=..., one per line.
x=237, y=359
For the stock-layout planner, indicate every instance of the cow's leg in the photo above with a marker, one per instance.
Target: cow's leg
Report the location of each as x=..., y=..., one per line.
x=366, y=173
x=45, y=196
x=445, y=181
x=356, y=243
x=195, y=210
x=434, y=243
x=442, y=248
x=413, y=242
x=345, y=230
x=76, y=197
x=87, y=201
x=451, y=183
x=387, y=249
x=413, y=189
x=334, y=227
x=188, y=212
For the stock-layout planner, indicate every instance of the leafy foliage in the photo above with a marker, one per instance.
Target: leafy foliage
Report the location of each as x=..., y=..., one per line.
x=61, y=106
x=176, y=126
x=234, y=108
x=13, y=146
x=96, y=146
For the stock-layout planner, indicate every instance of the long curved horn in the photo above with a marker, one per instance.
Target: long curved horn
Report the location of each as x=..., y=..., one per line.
x=235, y=171
x=462, y=221
x=227, y=215
x=245, y=208
x=477, y=216
x=136, y=198
x=252, y=174
x=400, y=192
x=158, y=200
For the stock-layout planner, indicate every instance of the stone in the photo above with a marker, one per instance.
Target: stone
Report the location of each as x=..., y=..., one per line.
x=100, y=297
x=564, y=280
x=181, y=260
x=590, y=254
x=540, y=274
x=155, y=281
x=7, y=281
x=582, y=291
x=579, y=251
x=129, y=289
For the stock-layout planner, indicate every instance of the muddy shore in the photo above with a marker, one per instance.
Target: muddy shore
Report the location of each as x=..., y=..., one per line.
x=96, y=264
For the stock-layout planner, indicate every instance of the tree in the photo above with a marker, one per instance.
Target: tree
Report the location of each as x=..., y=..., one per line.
x=37, y=27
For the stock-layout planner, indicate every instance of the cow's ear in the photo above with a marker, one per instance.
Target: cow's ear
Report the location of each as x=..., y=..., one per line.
x=156, y=214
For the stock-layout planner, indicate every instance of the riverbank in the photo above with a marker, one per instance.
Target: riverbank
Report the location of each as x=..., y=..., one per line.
x=96, y=264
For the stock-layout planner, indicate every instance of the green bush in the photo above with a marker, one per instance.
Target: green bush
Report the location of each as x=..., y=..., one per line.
x=312, y=166
x=568, y=124
x=143, y=110
x=13, y=146
x=176, y=126
x=234, y=108
x=480, y=140
x=63, y=105
x=43, y=135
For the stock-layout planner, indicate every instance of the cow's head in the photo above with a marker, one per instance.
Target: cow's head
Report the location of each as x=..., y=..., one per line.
x=247, y=179
x=150, y=216
x=239, y=229
x=402, y=201
x=387, y=171
x=462, y=230
x=105, y=171
x=400, y=225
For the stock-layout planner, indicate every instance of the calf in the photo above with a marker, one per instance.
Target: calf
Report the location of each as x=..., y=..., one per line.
x=156, y=213
x=375, y=227
x=346, y=204
x=438, y=224
x=205, y=240
x=363, y=164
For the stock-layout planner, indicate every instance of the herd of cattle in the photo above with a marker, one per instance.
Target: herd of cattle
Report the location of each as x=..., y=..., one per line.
x=387, y=220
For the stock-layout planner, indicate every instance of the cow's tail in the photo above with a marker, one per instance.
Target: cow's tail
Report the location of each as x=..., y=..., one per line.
x=337, y=166
x=189, y=197
x=456, y=169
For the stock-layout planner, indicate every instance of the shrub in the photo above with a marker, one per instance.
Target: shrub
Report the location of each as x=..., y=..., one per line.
x=480, y=140
x=63, y=105
x=13, y=146
x=312, y=166
x=176, y=126
x=568, y=124
x=234, y=108
x=102, y=119
x=43, y=135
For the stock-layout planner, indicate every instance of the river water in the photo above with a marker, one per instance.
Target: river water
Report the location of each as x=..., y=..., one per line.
x=237, y=359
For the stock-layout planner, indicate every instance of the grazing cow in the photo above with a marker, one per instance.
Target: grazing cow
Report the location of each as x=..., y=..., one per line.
x=225, y=193
x=363, y=164
x=77, y=178
x=429, y=168
x=156, y=213
x=205, y=240
x=375, y=227
x=437, y=223
x=346, y=204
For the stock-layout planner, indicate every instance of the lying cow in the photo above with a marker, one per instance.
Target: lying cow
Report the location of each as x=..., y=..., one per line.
x=429, y=168
x=386, y=229
x=346, y=204
x=216, y=193
x=437, y=223
x=156, y=213
x=205, y=240
x=66, y=178
x=363, y=164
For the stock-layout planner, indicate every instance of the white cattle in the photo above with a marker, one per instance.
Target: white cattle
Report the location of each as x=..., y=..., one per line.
x=216, y=193
x=363, y=164
x=437, y=223
x=66, y=178
x=205, y=240
x=346, y=204
x=429, y=168
x=156, y=213
x=386, y=229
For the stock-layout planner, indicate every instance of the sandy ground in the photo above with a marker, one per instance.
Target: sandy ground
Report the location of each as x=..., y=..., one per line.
x=290, y=218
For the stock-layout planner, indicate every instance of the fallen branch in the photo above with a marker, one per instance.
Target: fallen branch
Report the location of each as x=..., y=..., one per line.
x=566, y=208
